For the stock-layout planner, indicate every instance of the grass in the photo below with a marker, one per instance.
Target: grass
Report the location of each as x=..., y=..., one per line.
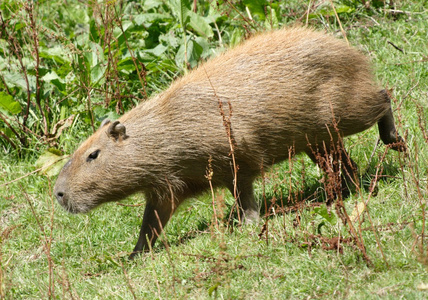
x=48, y=253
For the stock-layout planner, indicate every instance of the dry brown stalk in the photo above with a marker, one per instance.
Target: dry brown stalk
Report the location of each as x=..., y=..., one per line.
x=228, y=127
x=208, y=176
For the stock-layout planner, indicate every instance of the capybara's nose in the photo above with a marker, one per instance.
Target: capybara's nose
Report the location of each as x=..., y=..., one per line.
x=60, y=196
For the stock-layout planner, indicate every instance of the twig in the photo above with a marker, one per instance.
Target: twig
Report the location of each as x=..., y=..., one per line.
x=29, y=7
x=209, y=176
x=340, y=23
x=8, y=140
x=129, y=205
x=228, y=126
x=3, y=117
x=307, y=12
x=396, y=47
x=17, y=49
x=90, y=111
x=242, y=16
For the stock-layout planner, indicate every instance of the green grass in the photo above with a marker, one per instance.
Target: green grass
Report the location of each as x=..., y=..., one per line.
x=46, y=252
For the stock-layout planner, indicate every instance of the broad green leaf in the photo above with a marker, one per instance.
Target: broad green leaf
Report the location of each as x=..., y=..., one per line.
x=8, y=104
x=169, y=39
x=50, y=163
x=42, y=71
x=147, y=19
x=97, y=54
x=328, y=11
x=200, y=25
x=157, y=51
x=328, y=216
x=256, y=8
x=77, y=14
x=56, y=53
x=271, y=21
x=126, y=26
x=149, y=4
x=53, y=78
x=236, y=37
x=96, y=61
x=3, y=44
x=93, y=31
x=194, y=51
x=17, y=79
x=19, y=25
x=179, y=56
x=59, y=85
x=50, y=76
x=6, y=131
x=344, y=9
x=181, y=9
x=213, y=14
x=102, y=113
x=126, y=65
x=97, y=73
x=358, y=211
x=64, y=112
x=207, y=51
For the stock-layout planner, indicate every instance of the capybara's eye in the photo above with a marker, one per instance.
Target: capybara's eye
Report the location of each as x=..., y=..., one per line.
x=93, y=156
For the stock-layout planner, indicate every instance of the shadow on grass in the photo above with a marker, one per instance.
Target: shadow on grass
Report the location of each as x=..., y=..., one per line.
x=314, y=194
x=284, y=200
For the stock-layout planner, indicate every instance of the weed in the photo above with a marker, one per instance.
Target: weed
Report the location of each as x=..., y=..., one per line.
x=95, y=60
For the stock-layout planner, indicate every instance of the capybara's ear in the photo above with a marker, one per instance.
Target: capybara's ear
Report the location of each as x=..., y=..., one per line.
x=104, y=122
x=117, y=131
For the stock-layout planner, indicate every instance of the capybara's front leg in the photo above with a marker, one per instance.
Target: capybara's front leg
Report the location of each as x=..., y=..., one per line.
x=156, y=215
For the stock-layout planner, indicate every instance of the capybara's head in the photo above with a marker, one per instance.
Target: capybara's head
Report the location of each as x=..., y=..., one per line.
x=94, y=174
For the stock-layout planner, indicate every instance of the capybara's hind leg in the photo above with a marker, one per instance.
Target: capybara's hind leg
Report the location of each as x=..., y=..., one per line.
x=387, y=131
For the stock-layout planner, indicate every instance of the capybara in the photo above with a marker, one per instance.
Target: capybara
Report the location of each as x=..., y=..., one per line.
x=279, y=90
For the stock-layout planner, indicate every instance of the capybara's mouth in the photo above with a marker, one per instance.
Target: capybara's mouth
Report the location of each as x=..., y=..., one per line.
x=70, y=206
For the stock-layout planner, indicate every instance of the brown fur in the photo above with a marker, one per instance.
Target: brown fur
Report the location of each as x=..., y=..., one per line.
x=283, y=87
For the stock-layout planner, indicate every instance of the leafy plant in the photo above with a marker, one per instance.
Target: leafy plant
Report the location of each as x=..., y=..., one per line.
x=97, y=59
x=57, y=61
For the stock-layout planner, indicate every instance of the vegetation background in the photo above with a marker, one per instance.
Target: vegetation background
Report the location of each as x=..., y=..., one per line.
x=66, y=65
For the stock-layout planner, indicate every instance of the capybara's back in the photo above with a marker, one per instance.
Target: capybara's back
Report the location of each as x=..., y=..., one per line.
x=277, y=91
x=284, y=88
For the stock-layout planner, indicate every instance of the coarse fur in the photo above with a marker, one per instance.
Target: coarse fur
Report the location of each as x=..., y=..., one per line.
x=285, y=88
